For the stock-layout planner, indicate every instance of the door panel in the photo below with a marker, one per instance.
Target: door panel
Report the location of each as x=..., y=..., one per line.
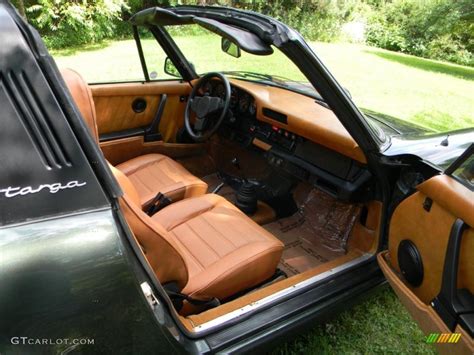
x=113, y=103
x=424, y=314
x=426, y=220
x=430, y=230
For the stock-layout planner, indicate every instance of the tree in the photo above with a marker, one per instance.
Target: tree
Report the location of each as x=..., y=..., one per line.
x=20, y=5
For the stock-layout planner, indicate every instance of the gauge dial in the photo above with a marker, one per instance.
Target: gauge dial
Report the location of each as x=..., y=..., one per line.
x=219, y=91
x=234, y=98
x=207, y=88
x=252, y=108
x=244, y=103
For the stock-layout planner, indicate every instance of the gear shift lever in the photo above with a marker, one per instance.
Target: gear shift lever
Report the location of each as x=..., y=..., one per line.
x=236, y=163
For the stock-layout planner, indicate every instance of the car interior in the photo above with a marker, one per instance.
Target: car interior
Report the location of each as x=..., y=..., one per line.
x=240, y=196
x=273, y=199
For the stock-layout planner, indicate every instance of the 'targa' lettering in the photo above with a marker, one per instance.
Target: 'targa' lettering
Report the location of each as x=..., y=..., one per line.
x=10, y=191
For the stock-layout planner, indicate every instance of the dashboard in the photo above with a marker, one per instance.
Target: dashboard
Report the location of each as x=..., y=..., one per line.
x=265, y=130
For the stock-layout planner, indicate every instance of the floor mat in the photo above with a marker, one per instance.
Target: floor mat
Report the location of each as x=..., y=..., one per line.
x=316, y=234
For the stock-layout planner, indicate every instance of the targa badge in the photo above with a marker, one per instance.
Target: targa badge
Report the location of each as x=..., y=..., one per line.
x=53, y=188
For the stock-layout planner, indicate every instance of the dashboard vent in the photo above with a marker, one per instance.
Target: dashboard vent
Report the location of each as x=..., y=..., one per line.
x=274, y=115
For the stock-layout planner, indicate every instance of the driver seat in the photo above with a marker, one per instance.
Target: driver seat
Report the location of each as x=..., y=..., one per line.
x=150, y=173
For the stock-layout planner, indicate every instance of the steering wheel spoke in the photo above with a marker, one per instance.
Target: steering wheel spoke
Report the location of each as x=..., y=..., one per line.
x=200, y=124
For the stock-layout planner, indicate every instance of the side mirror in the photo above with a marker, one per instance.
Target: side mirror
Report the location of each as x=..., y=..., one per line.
x=170, y=68
x=230, y=48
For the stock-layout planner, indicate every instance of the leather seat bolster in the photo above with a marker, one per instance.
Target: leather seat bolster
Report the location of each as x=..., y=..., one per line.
x=82, y=95
x=126, y=185
x=133, y=165
x=153, y=173
x=185, y=210
x=162, y=253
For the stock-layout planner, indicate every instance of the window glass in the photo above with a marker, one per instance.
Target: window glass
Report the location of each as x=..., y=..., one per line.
x=155, y=57
x=202, y=48
x=465, y=172
x=116, y=62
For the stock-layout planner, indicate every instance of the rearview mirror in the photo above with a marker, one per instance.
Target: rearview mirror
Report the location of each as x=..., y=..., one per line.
x=230, y=47
x=170, y=68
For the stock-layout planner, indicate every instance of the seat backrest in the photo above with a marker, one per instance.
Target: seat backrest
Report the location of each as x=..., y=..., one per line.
x=160, y=249
x=82, y=95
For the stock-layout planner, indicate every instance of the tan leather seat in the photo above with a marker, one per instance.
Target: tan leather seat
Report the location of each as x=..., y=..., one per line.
x=204, y=244
x=154, y=173
x=151, y=173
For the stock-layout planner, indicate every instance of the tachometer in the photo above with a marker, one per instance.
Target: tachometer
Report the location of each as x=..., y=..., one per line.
x=219, y=91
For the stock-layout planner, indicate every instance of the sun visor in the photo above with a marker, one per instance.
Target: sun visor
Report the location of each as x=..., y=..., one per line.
x=247, y=41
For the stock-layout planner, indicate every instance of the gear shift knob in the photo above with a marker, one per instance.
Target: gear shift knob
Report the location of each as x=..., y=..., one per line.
x=235, y=162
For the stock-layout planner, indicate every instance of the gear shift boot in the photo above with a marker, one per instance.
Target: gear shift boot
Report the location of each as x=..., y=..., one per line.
x=247, y=198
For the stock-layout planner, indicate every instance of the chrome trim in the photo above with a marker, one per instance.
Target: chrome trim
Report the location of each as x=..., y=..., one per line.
x=278, y=295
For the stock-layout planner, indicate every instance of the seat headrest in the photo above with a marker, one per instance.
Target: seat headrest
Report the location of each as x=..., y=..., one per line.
x=82, y=96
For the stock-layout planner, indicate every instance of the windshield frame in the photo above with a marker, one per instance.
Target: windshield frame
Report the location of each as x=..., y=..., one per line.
x=294, y=47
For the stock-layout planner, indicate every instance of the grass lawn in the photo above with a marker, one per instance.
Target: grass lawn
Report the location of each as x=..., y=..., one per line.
x=433, y=94
x=378, y=325
x=430, y=93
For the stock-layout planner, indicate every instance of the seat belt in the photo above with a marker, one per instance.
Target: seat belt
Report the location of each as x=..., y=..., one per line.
x=159, y=202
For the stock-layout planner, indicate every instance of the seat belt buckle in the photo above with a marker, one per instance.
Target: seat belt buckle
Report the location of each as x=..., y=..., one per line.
x=159, y=202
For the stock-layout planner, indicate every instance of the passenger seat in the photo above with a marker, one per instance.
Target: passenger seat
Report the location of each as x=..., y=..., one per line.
x=150, y=173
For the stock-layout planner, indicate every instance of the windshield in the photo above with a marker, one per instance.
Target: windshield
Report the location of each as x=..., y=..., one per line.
x=203, y=49
x=397, y=93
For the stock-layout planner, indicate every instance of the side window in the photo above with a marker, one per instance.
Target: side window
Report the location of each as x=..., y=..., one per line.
x=117, y=61
x=465, y=172
x=463, y=168
x=155, y=57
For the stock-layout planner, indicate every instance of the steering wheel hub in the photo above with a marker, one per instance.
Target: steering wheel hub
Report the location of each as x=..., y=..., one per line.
x=206, y=107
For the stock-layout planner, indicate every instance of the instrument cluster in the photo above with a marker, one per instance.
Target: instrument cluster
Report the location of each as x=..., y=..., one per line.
x=241, y=103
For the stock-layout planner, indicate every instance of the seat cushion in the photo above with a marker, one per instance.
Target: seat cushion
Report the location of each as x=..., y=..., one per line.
x=224, y=250
x=153, y=173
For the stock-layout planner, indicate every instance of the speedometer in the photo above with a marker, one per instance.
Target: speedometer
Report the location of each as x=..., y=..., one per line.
x=244, y=103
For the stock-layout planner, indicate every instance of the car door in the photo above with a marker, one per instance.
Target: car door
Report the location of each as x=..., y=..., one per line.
x=139, y=105
x=430, y=257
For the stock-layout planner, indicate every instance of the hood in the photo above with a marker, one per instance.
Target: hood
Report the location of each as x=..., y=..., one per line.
x=439, y=150
x=393, y=126
x=409, y=139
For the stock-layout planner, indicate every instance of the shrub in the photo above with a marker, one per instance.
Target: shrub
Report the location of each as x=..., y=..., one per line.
x=437, y=29
x=72, y=23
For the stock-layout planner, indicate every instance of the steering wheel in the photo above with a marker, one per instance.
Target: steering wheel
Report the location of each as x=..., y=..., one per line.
x=206, y=108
